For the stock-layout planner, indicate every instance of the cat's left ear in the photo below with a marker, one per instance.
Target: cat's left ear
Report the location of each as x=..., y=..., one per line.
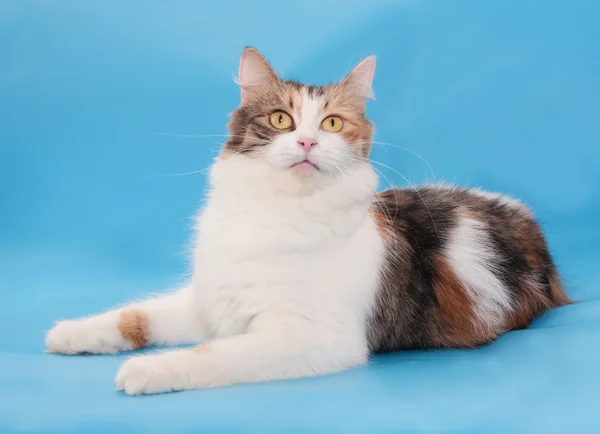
x=255, y=72
x=360, y=80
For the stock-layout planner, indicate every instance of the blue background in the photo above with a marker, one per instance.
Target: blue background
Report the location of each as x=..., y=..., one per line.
x=503, y=94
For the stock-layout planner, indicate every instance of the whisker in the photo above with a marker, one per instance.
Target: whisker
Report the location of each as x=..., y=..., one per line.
x=367, y=142
x=339, y=169
x=368, y=197
x=416, y=191
x=343, y=171
x=167, y=175
x=189, y=135
x=410, y=152
x=406, y=180
x=390, y=185
x=193, y=171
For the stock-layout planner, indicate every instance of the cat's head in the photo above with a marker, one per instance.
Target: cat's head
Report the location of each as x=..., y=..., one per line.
x=312, y=132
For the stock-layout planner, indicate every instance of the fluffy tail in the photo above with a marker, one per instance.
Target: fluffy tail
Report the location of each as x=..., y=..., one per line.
x=557, y=293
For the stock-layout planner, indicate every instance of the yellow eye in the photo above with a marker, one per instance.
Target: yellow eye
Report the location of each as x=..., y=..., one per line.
x=332, y=124
x=280, y=120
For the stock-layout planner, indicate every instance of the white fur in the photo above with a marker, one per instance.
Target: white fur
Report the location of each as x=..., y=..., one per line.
x=285, y=270
x=283, y=282
x=503, y=198
x=484, y=194
x=471, y=255
x=94, y=335
x=171, y=322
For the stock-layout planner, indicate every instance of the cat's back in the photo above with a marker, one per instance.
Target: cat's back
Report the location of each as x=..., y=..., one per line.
x=462, y=266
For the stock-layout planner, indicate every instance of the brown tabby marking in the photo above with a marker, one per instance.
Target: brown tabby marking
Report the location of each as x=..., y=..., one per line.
x=250, y=129
x=133, y=326
x=358, y=130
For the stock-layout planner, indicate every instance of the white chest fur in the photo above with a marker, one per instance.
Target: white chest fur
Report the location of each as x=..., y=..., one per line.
x=264, y=253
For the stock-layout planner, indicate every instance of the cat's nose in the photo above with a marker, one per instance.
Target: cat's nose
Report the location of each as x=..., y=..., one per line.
x=307, y=143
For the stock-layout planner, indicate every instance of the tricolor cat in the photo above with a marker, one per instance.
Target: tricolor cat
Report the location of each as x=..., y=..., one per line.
x=301, y=269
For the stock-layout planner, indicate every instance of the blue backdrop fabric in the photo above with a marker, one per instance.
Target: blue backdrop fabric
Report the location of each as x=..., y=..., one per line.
x=102, y=103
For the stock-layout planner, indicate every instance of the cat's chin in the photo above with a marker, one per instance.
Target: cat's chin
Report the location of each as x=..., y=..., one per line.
x=302, y=180
x=260, y=176
x=304, y=170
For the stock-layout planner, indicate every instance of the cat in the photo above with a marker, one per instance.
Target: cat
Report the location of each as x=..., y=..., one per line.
x=301, y=269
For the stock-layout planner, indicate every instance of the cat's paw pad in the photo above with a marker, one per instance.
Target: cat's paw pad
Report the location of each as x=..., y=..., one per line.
x=145, y=375
x=80, y=336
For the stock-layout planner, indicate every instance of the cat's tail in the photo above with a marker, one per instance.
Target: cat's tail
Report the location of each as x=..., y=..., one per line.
x=557, y=292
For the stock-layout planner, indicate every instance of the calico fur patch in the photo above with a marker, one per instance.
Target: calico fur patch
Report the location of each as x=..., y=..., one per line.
x=461, y=268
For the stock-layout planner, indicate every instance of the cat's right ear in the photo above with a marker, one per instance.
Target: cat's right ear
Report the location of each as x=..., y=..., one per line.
x=255, y=72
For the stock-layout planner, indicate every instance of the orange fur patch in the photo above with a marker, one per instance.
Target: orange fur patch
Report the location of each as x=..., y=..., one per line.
x=357, y=129
x=530, y=303
x=459, y=327
x=383, y=224
x=558, y=293
x=134, y=326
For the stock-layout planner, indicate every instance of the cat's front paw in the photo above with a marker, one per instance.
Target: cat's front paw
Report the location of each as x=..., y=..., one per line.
x=82, y=336
x=143, y=375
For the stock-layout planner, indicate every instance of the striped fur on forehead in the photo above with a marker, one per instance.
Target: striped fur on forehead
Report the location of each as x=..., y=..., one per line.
x=249, y=128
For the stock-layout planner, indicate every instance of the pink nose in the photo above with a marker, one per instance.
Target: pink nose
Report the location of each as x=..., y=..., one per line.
x=307, y=143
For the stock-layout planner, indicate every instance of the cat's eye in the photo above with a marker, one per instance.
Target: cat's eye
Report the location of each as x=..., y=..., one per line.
x=332, y=124
x=280, y=120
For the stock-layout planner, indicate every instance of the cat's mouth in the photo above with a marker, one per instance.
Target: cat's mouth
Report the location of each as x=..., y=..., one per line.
x=305, y=164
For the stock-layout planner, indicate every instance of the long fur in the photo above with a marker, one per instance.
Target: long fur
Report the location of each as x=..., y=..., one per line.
x=301, y=269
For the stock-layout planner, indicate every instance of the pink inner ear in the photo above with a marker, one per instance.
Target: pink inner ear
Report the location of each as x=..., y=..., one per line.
x=360, y=78
x=254, y=71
